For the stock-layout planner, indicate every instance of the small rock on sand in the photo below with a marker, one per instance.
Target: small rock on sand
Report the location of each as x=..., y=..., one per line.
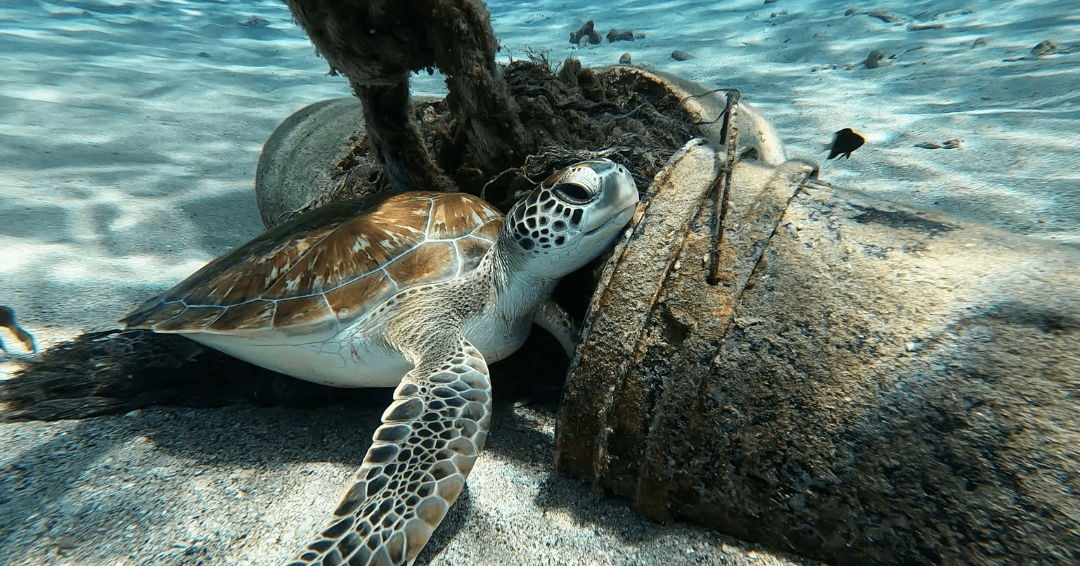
x=680, y=55
x=625, y=59
x=585, y=34
x=947, y=144
x=876, y=59
x=1044, y=48
x=887, y=17
x=254, y=22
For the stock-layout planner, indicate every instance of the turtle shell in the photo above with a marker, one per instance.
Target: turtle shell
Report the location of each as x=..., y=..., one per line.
x=332, y=265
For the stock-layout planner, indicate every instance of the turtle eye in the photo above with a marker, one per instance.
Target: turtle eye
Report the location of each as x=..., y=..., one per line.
x=573, y=193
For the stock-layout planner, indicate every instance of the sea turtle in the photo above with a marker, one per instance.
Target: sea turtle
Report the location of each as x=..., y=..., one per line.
x=418, y=290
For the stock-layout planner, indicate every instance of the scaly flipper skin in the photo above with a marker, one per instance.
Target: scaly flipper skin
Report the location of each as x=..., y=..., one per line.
x=417, y=465
x=551, y=317
x=7, y=320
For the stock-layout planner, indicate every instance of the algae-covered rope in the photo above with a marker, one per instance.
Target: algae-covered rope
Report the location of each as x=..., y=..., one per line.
x=730, y=139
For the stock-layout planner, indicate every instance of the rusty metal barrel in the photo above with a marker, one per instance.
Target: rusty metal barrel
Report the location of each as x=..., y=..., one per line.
x=867, y=384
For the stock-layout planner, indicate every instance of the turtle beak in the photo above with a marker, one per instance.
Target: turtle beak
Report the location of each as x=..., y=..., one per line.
x=618, y=196
x=619, y=219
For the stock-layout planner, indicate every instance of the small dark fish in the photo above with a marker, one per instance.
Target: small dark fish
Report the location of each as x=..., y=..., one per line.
x=844, y=142
x=7, y=320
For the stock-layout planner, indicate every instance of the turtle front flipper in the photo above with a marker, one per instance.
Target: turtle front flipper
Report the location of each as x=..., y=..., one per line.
x=551, y=317
x=416, y=466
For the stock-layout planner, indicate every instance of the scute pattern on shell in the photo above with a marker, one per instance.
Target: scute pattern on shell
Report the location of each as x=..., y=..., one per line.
x=336, y=263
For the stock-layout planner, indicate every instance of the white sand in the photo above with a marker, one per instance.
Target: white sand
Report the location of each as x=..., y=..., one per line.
x=129, y=134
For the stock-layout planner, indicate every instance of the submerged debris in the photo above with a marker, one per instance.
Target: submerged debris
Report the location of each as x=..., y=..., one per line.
x=254, y=22
x=947, y=144
x=586, y=31
x=1044, y=48
x=582, y=112
x=876, y=59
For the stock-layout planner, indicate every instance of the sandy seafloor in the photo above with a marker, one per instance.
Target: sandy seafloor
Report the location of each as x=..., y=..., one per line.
x=129, y=134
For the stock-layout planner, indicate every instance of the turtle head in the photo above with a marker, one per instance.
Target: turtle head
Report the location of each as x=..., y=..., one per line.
x=572, y=216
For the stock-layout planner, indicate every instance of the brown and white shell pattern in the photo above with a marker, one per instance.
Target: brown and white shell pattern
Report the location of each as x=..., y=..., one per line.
x=333, y=265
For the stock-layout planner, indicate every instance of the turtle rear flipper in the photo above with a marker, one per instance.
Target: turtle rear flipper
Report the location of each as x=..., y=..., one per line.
x=416, y=467
x=7, y=320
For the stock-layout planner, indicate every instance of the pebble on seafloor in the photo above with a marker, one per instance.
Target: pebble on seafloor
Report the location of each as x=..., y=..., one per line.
x=680, y=55
x=616, y=35
x=887, y=17
x=876, y=59
x=947, y=144
x=625, y=59
x=1044, y=48
x=254, y=22
x=587, y=31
